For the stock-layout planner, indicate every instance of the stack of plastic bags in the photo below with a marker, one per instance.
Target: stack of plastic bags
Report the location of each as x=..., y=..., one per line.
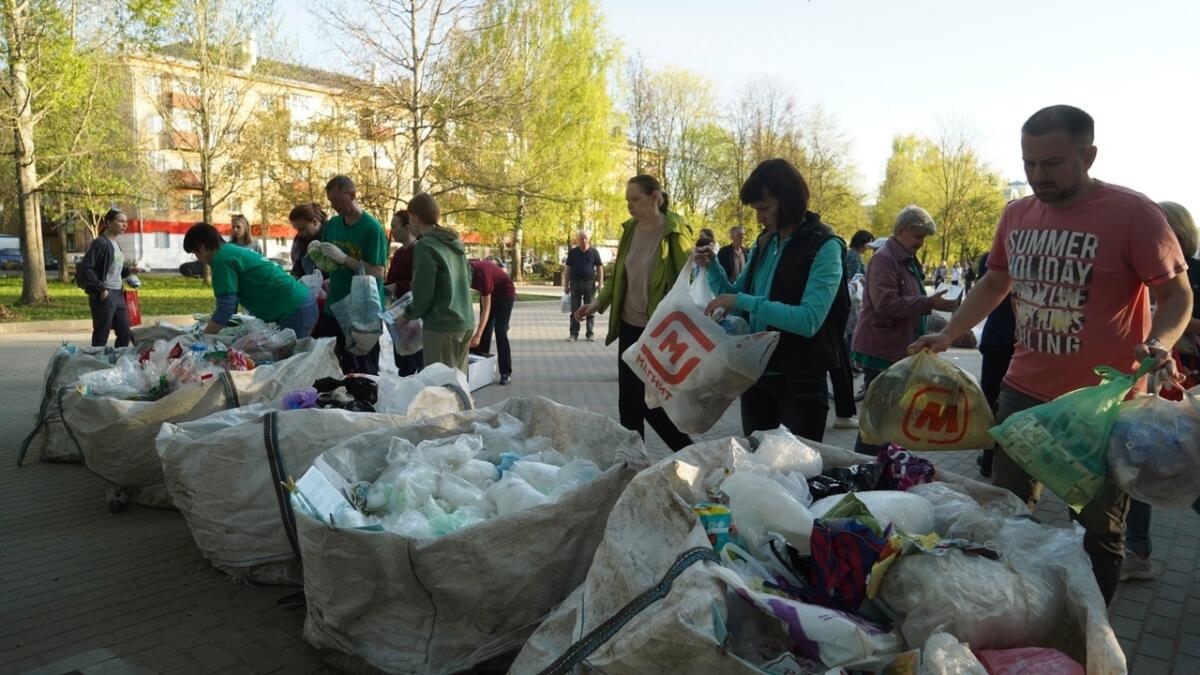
x=162, y=369
x=440, y=486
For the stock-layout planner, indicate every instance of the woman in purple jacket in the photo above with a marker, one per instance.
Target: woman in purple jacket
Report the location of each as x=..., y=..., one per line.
x=894, y=304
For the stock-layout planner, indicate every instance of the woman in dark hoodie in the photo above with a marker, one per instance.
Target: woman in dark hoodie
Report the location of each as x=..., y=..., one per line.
x=101, y=275
x=441, y=286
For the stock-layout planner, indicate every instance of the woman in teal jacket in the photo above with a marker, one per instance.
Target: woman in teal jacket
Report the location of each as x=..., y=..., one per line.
x=653, y=250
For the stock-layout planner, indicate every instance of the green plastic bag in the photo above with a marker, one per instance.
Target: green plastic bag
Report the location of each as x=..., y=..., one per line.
x=1064, y=443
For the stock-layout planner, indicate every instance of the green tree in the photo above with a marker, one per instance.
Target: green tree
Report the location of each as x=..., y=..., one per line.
x=59, y=109
x=946, y=177
x=536, y=165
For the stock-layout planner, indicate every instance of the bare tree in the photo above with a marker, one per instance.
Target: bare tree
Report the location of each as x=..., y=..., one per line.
x=638, y=102
x=407, y=46
x=208, y=96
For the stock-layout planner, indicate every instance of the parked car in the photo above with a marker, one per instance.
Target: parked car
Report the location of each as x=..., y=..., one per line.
x=192, y=270
x=11, y=259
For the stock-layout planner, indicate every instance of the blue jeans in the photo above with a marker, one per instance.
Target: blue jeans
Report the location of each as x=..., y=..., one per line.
x=302, y=320
x=1137, y=527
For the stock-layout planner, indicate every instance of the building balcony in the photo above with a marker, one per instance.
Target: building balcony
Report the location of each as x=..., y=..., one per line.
x=183, y=179
x=183, y=140
x=177, y=99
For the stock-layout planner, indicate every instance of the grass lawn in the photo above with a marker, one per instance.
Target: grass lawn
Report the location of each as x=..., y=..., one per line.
x=159, y=295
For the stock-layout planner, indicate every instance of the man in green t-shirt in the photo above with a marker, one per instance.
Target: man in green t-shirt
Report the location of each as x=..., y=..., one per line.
x=351, y=239
x=242, y=276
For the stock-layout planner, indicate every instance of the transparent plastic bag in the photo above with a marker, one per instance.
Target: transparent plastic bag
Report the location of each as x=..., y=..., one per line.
x=944, y=655
x=781, y=450
x=407, y=336
x=1154, y=450
x=315, y=283
x=925, y=402
x=357, y=314
x=566, y=303
x=1064, y=443
x=268, y=345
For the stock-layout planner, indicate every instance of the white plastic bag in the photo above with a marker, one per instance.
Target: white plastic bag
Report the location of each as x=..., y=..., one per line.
x=358, y=313
x=566, y=303
x=268, y=345
x=760, y=505
x=910, y=513
x=691, y=367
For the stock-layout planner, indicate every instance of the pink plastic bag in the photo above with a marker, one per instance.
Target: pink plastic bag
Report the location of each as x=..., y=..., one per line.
x=1028, y=661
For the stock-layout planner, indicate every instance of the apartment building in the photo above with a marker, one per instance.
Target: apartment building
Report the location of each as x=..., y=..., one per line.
x=331, y=129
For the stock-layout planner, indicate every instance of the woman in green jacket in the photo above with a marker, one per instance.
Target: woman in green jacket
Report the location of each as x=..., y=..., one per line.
x=441, y=286
x=654, y=249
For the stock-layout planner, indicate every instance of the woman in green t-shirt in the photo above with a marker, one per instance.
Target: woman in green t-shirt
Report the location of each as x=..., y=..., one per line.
x=241, y=276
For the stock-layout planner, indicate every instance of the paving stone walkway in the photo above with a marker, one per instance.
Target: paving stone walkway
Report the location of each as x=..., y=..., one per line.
x=85, y=590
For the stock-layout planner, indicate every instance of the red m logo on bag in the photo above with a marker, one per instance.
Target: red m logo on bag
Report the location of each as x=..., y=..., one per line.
x=681, y=348
x=937, y=416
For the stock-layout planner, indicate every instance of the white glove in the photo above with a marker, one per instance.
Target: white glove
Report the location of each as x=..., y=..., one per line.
x=334, y=253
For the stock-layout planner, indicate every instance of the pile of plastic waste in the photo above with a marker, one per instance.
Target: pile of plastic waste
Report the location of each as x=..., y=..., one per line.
x=443, y=485
x=884, y=559
x=160, y=370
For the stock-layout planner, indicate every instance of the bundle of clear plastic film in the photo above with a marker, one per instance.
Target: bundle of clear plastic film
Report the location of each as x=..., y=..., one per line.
x=443, y=485
x=925, y=402
x=1154, y=449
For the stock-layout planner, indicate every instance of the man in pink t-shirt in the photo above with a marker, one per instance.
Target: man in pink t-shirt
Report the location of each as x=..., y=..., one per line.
x=1081, y=258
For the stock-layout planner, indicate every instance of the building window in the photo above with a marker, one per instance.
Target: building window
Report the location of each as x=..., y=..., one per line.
x=235, y=204
x=160, y=202
x=162, y=240
x=181, y=120
x=154, y=124
x=193, y=201
x=153, y=85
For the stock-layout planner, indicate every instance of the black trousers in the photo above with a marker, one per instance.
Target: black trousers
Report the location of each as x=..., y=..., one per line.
x=367, y=364
x=631, y=398
x=497, y=321
x=800, y=403
x=583, y=291
x=993, y=370
x=842, y=379
x=108, y=315
x=411, y=364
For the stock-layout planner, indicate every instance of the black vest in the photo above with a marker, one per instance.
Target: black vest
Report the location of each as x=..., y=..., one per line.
x=796, y=354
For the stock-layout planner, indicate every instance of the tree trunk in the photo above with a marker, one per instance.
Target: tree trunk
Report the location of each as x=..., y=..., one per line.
x=518, y=273
x=63, y=275
x=33, y=286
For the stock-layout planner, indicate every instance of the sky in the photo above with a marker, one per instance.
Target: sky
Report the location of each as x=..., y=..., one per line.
x=885, y=67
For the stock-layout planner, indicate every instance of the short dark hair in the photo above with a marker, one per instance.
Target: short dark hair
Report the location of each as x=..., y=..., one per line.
x=779, y=178
x=202, y=234
x=649, y=184
x=340, y=182
x=861, y=239
x=1078, y=124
